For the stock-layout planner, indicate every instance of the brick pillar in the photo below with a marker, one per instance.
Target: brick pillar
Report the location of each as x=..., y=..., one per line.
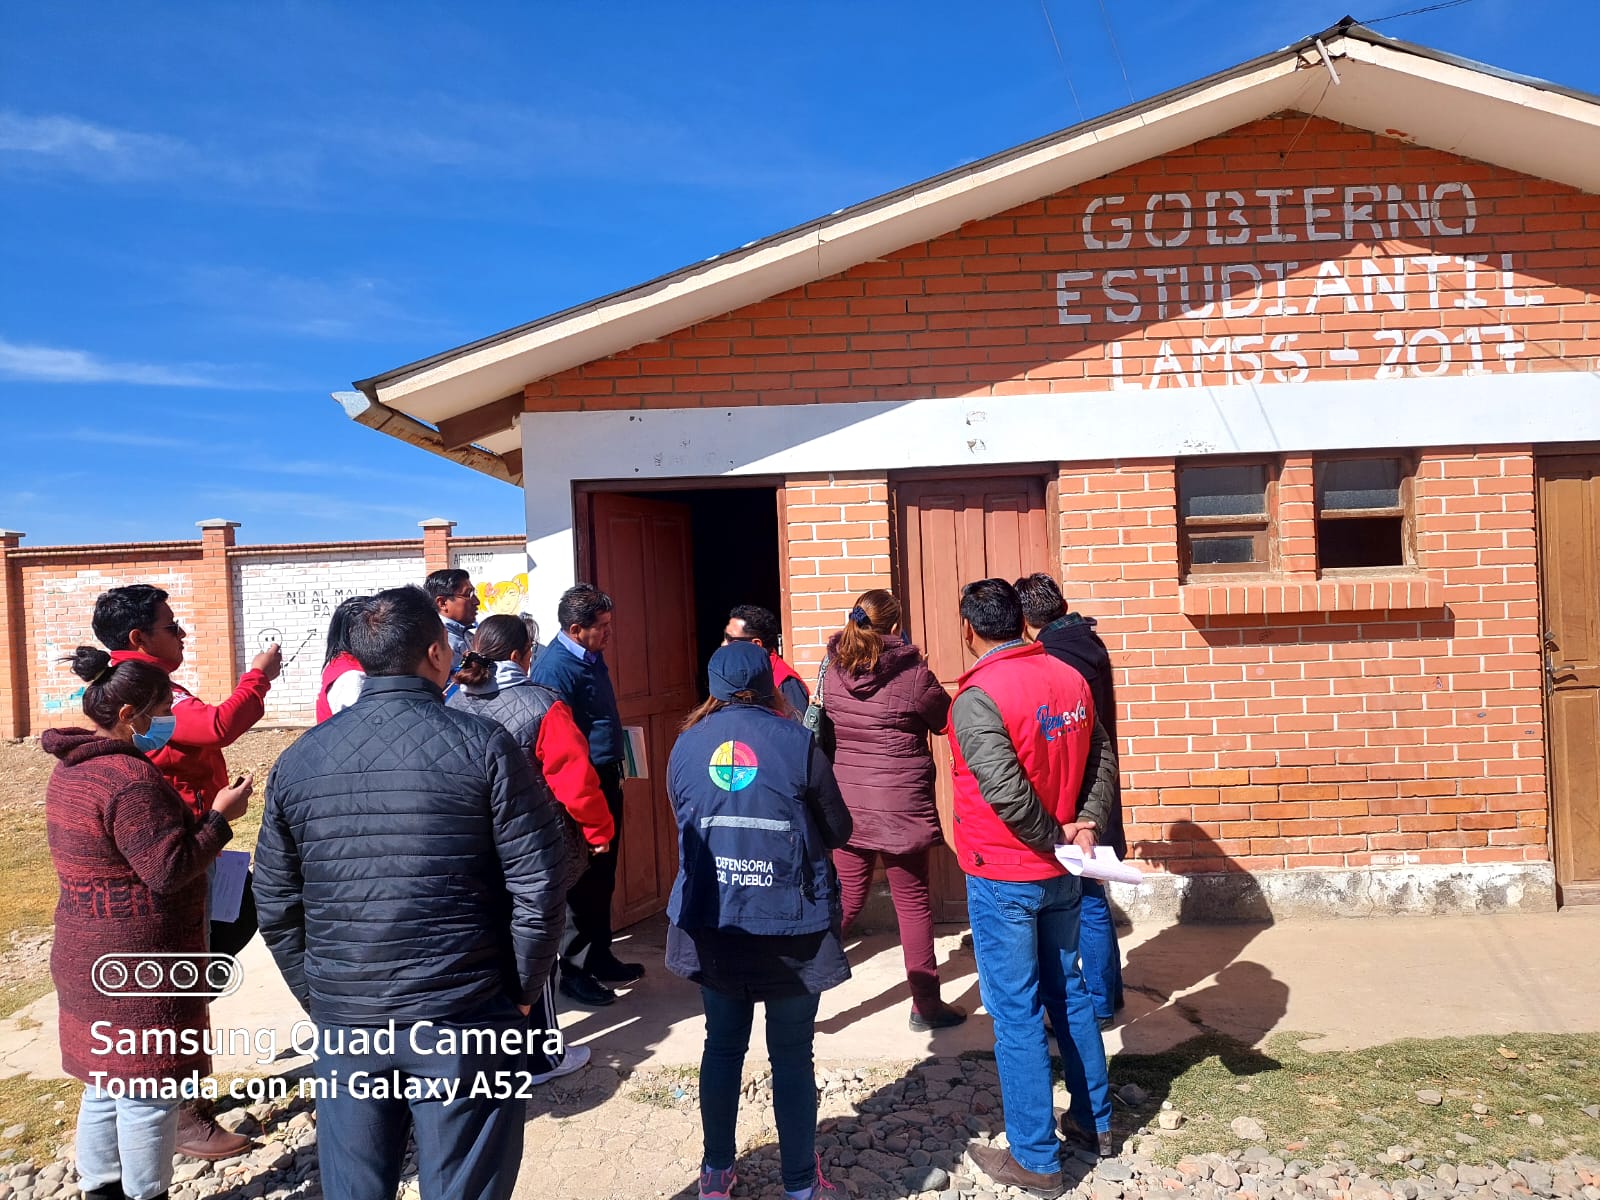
x=436, y=543
x=213, y=647
x=13, y=696
x=837, y=536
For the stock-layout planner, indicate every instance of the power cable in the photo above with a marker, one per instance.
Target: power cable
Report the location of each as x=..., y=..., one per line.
x=1414, y=12
x=1065, y=70
x=1105, y=18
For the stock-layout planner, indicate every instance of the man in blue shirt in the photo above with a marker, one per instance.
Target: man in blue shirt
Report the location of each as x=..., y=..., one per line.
x=574, y=666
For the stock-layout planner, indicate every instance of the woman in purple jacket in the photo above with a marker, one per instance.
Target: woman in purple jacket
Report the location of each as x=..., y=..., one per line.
x=884, y=702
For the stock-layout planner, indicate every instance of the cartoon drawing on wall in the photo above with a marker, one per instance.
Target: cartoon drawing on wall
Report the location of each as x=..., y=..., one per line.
x=507, y=597
x=266, y=638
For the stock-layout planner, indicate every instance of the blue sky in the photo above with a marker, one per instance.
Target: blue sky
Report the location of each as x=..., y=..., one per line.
x=212, y=216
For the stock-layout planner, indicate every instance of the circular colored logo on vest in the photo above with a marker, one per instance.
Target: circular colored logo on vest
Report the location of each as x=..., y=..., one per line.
x=733, y=766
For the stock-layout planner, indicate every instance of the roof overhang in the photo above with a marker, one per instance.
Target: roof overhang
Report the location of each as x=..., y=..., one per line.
x=465, y=403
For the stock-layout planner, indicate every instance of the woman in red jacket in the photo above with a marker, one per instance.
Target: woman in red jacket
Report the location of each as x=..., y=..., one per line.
x=884, y=702
x=342, y=675
x=132, y=860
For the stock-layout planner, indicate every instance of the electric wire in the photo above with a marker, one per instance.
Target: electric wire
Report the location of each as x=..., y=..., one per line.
x=1105, y=18
x=1415, y=12
x=1065, y=70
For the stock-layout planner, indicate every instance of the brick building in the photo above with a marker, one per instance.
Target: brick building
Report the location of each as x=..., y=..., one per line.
x=1290, y=374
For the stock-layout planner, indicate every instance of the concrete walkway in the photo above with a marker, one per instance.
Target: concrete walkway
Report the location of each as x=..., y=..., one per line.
x=1345, y=984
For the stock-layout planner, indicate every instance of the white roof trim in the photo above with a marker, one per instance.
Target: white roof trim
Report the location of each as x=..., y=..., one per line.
x=1445, y=104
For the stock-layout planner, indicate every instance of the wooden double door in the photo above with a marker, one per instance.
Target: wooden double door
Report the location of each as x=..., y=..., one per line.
x=950, y=531
x=1569, y=587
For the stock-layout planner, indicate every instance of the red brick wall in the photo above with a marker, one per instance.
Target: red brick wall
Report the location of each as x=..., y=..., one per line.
x=1345, y=735
x=837, y=538
x=979, y=311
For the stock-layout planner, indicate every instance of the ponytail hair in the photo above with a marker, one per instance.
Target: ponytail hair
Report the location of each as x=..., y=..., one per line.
x=110, y=687
x=497, y=639
x=875, y=614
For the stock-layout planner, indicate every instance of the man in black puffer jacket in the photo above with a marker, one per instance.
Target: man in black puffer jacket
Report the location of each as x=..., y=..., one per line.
x=1071, y=638
x=408, y=884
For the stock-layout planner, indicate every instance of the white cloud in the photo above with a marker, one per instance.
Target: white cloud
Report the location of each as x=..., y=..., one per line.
x=311, y=506
x=352, y=307
x=52, y=364
x=89, y=149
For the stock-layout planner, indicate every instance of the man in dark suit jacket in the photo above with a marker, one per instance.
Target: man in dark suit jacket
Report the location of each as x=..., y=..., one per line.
x=574, y=666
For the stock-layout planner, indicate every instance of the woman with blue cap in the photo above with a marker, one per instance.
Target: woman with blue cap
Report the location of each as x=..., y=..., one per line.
x=755, y=908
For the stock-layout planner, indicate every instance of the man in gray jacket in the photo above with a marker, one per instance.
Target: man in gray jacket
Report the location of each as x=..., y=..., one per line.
x=408, y=881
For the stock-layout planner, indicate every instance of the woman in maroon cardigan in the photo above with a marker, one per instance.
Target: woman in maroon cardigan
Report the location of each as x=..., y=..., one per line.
x=131, y=859
x=884, y=702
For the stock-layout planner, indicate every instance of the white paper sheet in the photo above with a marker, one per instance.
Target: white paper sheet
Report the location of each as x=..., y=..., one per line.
x=227, y=884
x=1105, y=865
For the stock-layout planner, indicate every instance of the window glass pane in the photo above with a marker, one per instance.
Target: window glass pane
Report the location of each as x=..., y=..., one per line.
x=1224, y=491
x=1212, y=551
x=1361, y=542
x=1361, y=483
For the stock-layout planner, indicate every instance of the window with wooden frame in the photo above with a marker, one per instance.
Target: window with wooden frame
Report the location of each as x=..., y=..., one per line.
x=1364, y=513
x=1225, y=516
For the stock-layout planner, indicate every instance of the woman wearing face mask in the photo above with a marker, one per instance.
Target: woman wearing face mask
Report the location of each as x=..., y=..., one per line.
x=132, y=859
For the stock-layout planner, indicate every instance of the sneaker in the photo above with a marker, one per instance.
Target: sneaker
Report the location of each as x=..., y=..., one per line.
x=575, y=1059
x=821, y=1188
x=938, y=1016
x=199, y=1135
x=996, y=1162
x=715, y=1184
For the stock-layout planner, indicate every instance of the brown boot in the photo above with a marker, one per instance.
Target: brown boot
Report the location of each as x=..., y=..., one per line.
x=996, y=1162
x=199, y=1135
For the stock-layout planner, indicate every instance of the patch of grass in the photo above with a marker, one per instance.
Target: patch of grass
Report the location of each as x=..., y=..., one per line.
x=1356, y=1104
x=14, y=997
x=48, y=1110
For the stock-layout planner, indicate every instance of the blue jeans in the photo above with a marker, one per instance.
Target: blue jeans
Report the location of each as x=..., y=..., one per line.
x=1025, y=936
x=126, y=1141
x=1098, y=952
x=791, y=1025
x=467, y=1149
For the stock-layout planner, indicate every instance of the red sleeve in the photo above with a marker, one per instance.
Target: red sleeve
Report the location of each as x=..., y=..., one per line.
x=563, y=755
x=200, y=724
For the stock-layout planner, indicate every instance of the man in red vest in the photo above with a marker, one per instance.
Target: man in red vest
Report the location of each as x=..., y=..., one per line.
x=1024, y=739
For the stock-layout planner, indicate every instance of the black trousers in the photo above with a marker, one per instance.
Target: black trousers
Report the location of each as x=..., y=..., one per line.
x=589, y=901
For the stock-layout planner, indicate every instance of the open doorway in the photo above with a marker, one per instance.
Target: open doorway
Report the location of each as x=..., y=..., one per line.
x=674, y=562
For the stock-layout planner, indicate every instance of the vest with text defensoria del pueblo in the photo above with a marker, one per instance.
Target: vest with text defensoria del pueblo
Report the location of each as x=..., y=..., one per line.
x=1049, y=716
x=750, y=855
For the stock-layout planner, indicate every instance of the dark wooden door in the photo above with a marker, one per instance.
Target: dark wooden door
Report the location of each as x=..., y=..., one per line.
x=642, y=554
x=950, y=532
x=1569, y=558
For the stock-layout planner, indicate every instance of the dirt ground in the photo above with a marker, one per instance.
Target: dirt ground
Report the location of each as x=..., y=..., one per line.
x=27, y=880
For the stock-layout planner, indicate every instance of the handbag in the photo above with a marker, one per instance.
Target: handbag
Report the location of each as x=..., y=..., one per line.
x=816, y=717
